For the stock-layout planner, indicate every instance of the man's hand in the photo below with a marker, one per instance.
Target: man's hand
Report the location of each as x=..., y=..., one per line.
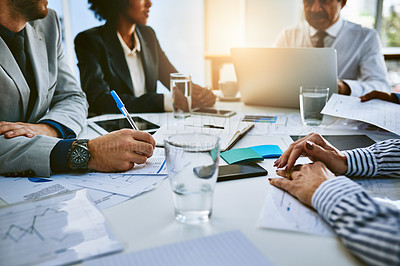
x=12, y=130
x=316, y=148
x=304, y=181
x=381, y=96
x=120, y=150
x=202, y=97
x=343, y=88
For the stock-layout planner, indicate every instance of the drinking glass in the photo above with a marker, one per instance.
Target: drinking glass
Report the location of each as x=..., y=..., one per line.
x=192, y=162
x=312, y=101
x=181, y=88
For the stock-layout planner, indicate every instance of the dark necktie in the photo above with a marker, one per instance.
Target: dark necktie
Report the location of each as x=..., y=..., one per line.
x=18, y=50
x=320, y=39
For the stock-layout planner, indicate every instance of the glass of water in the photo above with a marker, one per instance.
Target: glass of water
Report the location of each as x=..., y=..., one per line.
x=192, y=162
x=181, y=89
x=312, y=101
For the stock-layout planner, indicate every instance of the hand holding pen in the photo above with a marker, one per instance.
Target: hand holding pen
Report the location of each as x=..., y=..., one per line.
x=123, y=110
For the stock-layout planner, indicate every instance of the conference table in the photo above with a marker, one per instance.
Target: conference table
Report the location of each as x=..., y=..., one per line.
x=148, y=220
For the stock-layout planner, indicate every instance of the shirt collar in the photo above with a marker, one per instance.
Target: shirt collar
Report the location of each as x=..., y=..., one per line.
x=125, y=47
x=8, y=35
x=332, y=30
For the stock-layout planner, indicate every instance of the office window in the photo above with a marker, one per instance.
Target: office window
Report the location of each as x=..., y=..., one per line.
x=390, y=27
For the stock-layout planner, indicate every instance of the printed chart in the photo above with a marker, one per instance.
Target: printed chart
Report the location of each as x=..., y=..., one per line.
x=55, y=230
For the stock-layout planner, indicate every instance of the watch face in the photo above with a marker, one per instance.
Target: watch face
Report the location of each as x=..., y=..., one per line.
x=80, y=156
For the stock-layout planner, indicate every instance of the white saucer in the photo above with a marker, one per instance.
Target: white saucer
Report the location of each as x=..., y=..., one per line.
x=223, y=98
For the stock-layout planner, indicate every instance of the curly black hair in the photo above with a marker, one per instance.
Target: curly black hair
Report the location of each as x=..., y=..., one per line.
x=108, y=9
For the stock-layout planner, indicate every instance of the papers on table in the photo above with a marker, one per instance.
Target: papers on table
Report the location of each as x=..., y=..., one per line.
x=105, y=189
x=57, y=230
x=231, y=248
x=380, y=113
x=282, y=211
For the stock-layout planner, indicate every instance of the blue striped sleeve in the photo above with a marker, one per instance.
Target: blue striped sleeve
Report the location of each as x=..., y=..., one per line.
x=367, y=228
x=380, y=159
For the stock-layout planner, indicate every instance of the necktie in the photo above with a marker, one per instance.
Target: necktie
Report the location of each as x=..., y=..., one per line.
x=320, y=38
x=18, y=50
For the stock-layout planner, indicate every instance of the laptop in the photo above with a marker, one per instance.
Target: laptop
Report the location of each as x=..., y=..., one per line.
x=273, y=76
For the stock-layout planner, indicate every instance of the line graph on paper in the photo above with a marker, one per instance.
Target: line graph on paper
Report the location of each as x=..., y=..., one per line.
x=33, y=231
x=55, y=230
x=282, y=211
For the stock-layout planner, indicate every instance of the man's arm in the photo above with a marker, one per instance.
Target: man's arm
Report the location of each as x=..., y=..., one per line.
x=369, y=229
x=372, y=69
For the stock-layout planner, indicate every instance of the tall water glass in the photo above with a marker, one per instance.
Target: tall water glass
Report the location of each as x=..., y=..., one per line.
x=181, y=89
x=312, y=101
x=192, y=162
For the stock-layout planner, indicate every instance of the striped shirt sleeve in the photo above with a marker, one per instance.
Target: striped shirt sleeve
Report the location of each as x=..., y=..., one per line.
x=380, y=159
x=367, y=228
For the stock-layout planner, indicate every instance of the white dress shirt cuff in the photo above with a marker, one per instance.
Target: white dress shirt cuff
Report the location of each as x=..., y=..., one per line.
x=168, y=102
x=356, y=89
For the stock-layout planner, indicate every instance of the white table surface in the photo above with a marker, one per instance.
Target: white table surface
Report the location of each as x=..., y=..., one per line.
x=148, y=220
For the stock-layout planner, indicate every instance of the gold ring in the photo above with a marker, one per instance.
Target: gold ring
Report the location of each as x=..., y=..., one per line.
x=289, y=174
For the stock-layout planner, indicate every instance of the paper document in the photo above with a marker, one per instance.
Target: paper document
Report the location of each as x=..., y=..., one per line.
x=229, y=130
x=57, y=230
x=282, y=211
x=379, y=113
x=123, y=184
x=231, y=248
x=17, y=189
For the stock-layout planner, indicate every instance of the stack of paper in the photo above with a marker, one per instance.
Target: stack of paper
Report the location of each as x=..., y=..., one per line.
x=54, y=231
x=106, y=189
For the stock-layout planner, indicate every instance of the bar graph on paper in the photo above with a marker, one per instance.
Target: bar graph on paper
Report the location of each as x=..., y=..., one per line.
x=282, y=211
x=51, y=231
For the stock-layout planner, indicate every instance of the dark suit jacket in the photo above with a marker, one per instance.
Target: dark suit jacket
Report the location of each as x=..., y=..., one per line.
x=103, y=68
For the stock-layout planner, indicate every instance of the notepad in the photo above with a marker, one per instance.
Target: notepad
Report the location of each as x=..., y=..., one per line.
x=230, y=248
x=229, y=130
x=268, y=151
x=242, y=155
x=251, y=154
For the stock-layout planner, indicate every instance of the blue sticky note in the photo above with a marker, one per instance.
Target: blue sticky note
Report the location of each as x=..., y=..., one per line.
x=268, y=151
x=241, y=156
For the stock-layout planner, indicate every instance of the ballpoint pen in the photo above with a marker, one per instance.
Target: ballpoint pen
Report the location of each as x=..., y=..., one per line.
x=123, y=110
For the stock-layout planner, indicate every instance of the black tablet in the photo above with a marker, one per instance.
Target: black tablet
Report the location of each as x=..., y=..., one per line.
x=105, y=126
x=239, y=171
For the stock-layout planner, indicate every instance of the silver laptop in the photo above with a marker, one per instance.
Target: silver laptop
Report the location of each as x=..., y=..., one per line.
x=273, y=76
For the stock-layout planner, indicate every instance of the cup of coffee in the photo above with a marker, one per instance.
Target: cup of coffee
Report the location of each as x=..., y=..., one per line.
x=228, y=88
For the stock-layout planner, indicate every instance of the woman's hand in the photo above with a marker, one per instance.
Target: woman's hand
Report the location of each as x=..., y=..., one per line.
x=303, y=180
x=316, y=148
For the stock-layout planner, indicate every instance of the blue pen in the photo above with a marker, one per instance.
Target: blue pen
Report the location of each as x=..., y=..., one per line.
x=123, y=110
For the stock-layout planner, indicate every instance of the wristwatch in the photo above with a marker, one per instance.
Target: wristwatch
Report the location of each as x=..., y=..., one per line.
x=79, y=154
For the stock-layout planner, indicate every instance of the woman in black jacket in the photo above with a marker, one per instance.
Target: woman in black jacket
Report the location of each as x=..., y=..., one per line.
x=124, y=55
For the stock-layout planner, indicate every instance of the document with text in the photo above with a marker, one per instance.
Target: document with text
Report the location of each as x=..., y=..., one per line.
x=282, y=211
x=379, y=113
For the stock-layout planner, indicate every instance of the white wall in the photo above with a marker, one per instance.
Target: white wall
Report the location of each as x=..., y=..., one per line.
x=179, y=25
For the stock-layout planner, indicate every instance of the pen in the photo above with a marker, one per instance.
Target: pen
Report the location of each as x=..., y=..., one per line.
x=123, y=110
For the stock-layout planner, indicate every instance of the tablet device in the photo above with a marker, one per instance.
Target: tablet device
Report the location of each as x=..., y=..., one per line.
x=345, y=142
x=106, y=126
x=213, y=112
x=239, y=171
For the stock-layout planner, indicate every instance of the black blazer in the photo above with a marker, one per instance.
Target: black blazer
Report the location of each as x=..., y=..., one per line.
x=103, y=68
